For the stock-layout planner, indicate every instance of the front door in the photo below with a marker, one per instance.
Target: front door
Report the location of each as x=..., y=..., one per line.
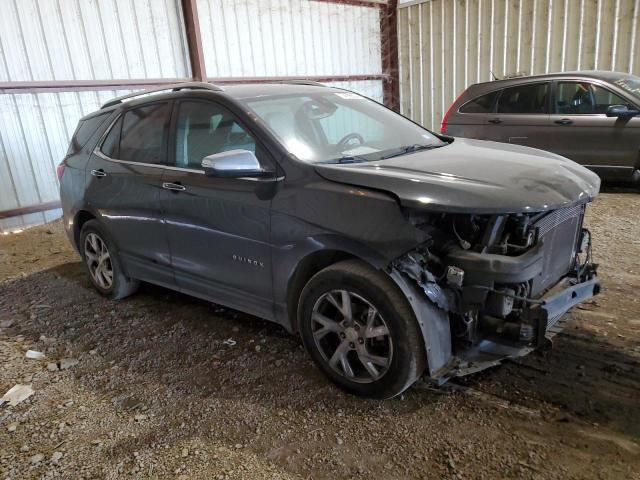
x=218, y=228
x=125, y=181
x=583, y=132
x=521, y=116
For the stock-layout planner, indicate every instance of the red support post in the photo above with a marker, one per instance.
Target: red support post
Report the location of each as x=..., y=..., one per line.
x=389, y=47
x=194, y=41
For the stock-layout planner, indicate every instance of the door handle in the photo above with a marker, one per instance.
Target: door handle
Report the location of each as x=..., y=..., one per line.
x=564, y=121
x=98, y=173
x=176, y=187
x=495, y=121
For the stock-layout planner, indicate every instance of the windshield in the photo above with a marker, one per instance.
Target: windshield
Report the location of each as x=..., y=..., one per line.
x=340, y=127
x=630, y=84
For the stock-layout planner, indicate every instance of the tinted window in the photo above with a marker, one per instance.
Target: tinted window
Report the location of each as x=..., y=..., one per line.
x=111, y=144
x=583, y=98
x=483, y=104
x=524, y=99
x=144, y=134
x=205, y=129
x=83, y=133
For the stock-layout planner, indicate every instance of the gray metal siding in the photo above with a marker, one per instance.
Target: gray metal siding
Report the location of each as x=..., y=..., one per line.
x=289, y=37
x=92, y=40
x=34, y=136
x=447, y=45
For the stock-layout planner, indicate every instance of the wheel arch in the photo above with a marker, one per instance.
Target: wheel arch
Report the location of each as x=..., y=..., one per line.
x=307, y=268
x=81, y=217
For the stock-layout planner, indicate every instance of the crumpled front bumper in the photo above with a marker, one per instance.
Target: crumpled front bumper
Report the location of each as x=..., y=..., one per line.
x=559, y=300
x=547, y=313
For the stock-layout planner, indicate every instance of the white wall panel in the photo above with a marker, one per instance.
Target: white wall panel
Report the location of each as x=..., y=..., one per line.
x=447, y=45
x=91, y=40
x=34, y=136
x=255, y=38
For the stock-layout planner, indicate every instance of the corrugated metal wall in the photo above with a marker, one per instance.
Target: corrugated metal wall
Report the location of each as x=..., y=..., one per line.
x=446, y=45
x=250, y=38
x=44, y=40
x=92, y=40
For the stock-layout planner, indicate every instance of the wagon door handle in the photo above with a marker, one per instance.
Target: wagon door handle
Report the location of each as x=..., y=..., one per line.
x=98, y=173
x=495, y=121
x=564, y=121
x=176, y=187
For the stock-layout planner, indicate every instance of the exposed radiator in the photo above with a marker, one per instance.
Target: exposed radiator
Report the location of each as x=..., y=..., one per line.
x=559, y=233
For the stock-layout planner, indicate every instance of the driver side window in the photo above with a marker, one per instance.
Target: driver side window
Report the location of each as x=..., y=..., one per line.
x=583, y=98
x=204, y=129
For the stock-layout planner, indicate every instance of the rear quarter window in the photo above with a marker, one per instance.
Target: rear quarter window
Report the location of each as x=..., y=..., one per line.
x=483, y=104
x=83, y=132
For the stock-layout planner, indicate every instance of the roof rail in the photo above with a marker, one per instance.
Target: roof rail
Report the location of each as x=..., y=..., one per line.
x=302, y=81
x=174, y=88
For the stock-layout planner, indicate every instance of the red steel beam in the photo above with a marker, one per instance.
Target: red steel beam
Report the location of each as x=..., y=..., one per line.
x=315, y=78
x=389, y=48
x=41, y=207
x=194, y=41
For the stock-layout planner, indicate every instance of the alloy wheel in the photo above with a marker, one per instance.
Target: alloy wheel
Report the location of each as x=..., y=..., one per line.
x=352, y=336
x=98, y=260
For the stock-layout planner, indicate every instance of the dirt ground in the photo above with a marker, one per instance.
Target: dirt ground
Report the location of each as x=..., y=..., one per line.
x=171, y=386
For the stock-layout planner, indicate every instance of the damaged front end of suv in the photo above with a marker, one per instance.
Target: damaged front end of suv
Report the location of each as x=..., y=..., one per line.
x=489, y=287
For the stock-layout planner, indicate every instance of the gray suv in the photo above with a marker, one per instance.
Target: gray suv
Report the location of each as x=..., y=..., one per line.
x=590, y=117
x=392, y=251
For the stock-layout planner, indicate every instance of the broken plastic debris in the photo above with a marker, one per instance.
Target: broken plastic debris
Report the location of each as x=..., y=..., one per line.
x=229, y=341
x=34, y=355
x=65, y=363
x=17, y=394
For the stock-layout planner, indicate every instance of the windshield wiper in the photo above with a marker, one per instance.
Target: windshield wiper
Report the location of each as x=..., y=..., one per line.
x=410, y=149
x=347, y=159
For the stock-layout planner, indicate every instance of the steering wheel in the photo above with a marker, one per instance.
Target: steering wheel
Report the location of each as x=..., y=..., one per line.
x=343, y=143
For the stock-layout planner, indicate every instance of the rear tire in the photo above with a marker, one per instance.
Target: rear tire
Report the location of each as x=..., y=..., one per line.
x=102, y=263
x=360, y=330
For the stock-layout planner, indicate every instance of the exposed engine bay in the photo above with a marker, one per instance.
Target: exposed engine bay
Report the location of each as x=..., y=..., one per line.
x=502, y=282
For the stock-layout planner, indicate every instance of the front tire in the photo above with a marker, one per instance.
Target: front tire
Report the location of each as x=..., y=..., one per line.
x=102, y=263
x=360, y=330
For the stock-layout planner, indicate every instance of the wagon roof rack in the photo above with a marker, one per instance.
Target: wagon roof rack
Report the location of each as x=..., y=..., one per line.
x=174, y=88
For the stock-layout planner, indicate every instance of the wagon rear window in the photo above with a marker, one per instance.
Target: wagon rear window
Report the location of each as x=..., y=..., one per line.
x=483, y=104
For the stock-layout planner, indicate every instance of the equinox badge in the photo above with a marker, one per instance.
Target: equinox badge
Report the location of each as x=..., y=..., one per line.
x=249, y=261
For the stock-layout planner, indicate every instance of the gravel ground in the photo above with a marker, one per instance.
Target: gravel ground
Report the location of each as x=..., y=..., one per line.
x=171, y=386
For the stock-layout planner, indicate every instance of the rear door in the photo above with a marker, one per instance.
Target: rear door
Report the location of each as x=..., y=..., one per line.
x=521, y=116
x=583, y=132
x=218, y=228
x=125, y=180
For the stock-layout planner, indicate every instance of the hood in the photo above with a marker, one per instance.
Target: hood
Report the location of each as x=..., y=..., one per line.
x=474, y=176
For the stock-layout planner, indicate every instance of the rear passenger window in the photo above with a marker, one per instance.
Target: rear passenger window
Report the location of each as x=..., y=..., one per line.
x=111, y=144
x=144, y=134
x=83, y=133
x=483, y=104
x=524, y=99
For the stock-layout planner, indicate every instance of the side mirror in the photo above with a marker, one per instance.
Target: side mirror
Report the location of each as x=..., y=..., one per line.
x=234, y=163
x=621, y=111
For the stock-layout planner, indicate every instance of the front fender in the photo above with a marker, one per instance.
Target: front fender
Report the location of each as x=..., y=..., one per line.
x=434, y=325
